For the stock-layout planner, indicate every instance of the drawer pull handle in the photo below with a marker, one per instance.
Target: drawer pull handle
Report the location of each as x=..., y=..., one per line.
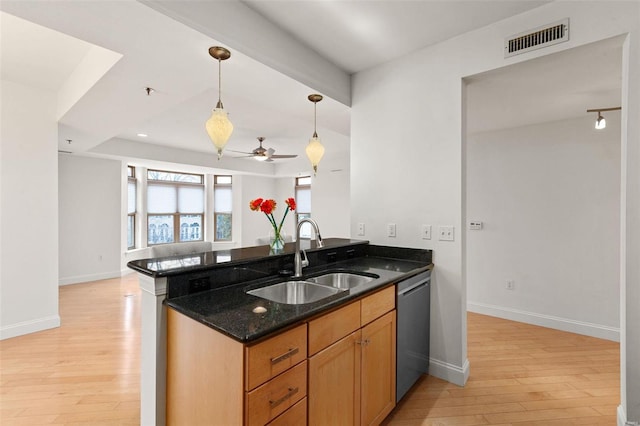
x=292, y=391
x=288, y=354
x=364, y=342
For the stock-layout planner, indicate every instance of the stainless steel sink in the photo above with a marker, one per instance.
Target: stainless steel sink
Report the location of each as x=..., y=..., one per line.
x=341, y=280
x=294, y=292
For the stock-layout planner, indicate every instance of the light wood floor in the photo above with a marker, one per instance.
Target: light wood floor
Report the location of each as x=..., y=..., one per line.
x=87, y=371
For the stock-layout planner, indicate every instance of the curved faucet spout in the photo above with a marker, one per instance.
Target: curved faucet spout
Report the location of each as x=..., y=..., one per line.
x=298, y=262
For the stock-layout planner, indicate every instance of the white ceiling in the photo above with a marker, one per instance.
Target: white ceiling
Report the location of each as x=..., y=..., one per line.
x=308, y=47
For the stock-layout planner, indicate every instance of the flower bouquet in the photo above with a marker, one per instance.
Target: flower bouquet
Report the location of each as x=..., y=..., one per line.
x=267, y=207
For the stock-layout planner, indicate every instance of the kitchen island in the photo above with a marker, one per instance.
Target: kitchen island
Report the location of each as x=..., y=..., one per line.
x=211, y=289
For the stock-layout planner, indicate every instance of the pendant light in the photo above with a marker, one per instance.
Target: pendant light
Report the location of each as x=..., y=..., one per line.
x=218, y=125
x=314, y=149
x=601, y=123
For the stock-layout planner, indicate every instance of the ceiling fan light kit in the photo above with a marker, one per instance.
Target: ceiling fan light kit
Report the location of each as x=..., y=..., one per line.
x=314, y=149
x=601, y=123
x=264, y=154
x=218, y=125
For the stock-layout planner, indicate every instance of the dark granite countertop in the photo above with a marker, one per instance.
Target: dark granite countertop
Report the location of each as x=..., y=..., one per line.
x=230, y=309
x=211, y=287
x=175, y=265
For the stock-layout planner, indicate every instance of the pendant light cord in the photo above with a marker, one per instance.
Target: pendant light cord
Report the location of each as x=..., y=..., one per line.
x=219, y=104
x=315, y=118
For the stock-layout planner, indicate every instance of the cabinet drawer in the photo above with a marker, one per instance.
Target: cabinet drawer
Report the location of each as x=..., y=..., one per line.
x=377, y=304
x=333, y=326
x=275, y=355
x=294, y=416
x=276, y=396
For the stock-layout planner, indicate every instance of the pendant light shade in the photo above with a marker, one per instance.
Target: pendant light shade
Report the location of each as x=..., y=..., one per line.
x=601, y=123
x=314, y=149
x=219, y=129
x=218, y=125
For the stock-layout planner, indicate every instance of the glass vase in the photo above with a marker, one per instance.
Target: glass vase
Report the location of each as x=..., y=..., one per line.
x=276, y=241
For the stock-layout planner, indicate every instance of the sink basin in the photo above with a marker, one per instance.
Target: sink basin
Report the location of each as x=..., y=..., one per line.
x=294, y=292
x=341, y=280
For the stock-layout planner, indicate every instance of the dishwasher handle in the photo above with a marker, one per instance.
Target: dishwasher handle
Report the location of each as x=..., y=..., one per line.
x=416, y=286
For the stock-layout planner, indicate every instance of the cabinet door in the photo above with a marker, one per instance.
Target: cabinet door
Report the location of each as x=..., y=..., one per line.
x=334, y=383
x=378, y=390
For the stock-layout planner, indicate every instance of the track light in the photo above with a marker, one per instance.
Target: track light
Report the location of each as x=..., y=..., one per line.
x=601, y=123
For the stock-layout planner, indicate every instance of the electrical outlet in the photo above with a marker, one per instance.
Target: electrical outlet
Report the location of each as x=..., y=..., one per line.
x=361, y=229
x=391, y=230
x=511, y=285
x=475, y=225
x=426, y=232
x=445, y=233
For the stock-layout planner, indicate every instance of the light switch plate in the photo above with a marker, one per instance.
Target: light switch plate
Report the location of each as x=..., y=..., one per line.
x=425, y=232
x=391, y=230
x=445, y=233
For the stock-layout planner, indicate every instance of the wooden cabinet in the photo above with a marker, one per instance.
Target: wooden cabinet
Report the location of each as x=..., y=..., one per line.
x=215, y=380
x=334, y=383
x=274, y=397
x=339, y=368
x=271, y=357
x=378, y=385
x=352, y=380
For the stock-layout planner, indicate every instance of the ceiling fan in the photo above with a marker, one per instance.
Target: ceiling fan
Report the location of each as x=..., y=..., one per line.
x=264, y=154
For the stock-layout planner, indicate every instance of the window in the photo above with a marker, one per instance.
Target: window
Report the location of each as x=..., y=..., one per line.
x=303, y=204
x=222, y=207
x=131, y=207
x=175, y=207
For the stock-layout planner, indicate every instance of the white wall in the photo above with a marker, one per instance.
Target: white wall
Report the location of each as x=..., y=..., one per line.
x=330, y=198
x=255, y=224
x=415, y=103
x=549, y=199
x=90, y=218
x=29, y=214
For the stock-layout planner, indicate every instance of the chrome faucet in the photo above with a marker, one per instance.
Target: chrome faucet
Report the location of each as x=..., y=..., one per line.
x=298, y=262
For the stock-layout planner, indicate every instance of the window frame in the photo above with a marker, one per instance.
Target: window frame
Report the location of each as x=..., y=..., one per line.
x=229, y=214
x=177, y=215
x=299, y=214
x=131, y=217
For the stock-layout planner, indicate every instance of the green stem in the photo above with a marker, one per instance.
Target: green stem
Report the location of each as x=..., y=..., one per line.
x=283, y=217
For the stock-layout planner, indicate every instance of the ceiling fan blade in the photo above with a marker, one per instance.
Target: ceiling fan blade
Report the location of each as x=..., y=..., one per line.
x=241, y=152
x=283, y=156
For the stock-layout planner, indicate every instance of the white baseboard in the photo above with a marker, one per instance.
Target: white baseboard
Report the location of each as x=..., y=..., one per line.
x=90, y=277
x=27, y=327
x=622, y=418
x=557, y=323
x=449, y=372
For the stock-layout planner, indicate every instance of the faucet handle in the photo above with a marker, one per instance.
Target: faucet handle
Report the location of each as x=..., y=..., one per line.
x=305, y=261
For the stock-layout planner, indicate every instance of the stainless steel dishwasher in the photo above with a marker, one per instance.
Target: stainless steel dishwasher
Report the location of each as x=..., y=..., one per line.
x=413, y=310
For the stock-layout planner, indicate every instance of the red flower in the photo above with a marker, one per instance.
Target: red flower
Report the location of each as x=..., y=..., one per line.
x=255, y=204
x=268, y=206
x=291, y=203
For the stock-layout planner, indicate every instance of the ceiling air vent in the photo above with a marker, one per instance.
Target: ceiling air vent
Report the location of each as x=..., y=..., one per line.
x=535, y=39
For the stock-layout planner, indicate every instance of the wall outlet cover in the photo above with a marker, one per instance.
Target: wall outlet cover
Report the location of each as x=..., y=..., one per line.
x=361, y=229
x=391, y=230
x=445, y=233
